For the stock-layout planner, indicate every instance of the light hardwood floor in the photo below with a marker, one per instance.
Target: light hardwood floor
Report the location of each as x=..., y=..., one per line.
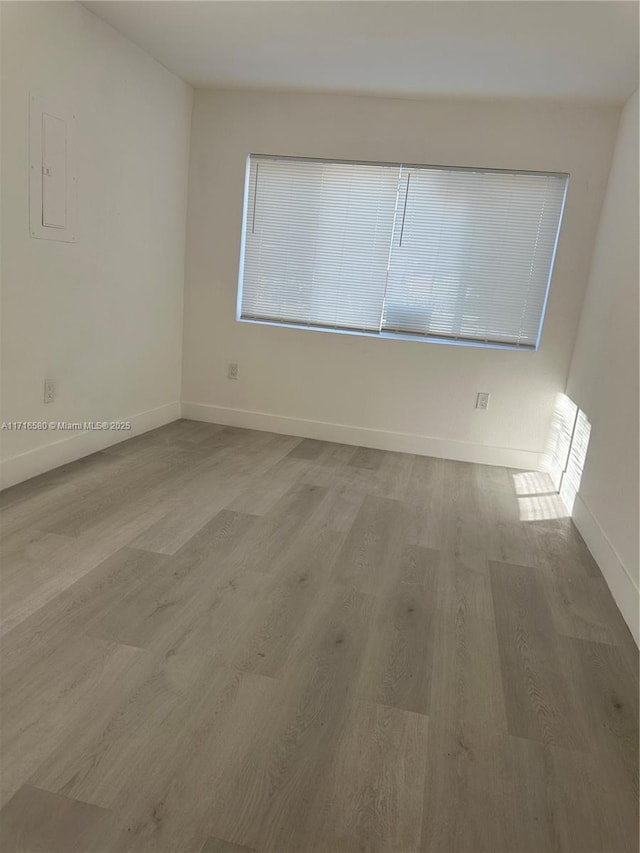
x=217, y=640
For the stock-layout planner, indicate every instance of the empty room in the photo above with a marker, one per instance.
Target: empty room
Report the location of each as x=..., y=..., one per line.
x=319, y=426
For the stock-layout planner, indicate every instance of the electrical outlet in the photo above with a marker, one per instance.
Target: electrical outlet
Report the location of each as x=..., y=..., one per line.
x=49, y=391
x=232, y=370
x=482, y=401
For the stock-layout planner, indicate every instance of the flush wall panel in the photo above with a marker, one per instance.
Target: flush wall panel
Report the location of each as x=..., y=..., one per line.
x=54, y=171
x=53, y=179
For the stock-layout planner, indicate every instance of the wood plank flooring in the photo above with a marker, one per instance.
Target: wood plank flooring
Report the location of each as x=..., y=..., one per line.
x=216, y=640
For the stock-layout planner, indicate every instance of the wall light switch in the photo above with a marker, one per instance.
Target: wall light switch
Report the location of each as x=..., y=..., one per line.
x=482, y=401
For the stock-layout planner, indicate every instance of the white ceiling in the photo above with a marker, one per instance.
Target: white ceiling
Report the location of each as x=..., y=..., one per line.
x=470, y=48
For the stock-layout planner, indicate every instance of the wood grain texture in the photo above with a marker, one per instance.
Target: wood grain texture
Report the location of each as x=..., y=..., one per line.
x=216, y=845
x=373, y=546
x=466, y=682
x=608, y=690
x=371, y=798
x=278, y=771
x=541, y=703
x=219, y=640
x=399, y=661
x=35, y=821
x=479, y=796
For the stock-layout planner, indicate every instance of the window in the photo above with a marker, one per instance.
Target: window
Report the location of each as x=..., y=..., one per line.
x=435, y=253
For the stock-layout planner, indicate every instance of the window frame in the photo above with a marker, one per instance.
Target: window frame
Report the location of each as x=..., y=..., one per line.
x=405, y=335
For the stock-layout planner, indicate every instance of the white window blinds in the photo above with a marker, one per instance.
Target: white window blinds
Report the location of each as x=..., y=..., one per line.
x=317, y=239
x=439, y=253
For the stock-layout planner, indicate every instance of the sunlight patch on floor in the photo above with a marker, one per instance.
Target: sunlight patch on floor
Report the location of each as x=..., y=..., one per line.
x=542, y=507
x=533, y=483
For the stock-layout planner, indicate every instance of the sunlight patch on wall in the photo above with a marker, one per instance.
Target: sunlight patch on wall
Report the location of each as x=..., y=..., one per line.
x=572, y=476
x=556, y=453
x=551, y=493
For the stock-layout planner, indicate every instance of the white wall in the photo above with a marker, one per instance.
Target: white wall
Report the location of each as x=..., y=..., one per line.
x=404, y=395
x=102, y=317
x=603, y=380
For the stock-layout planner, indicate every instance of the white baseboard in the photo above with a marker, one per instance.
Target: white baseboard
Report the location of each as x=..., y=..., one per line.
x=23, y=466
x=364, y=436
x=623, y=588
